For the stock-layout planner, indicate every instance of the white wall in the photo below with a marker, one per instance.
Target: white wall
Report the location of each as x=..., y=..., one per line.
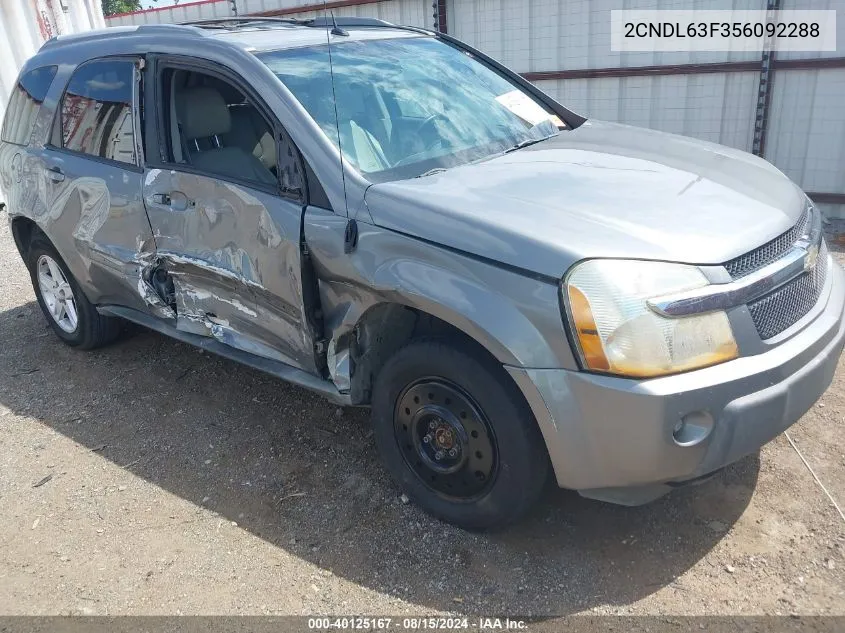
x=806, y=136
x=26, y=24
x=717, y=107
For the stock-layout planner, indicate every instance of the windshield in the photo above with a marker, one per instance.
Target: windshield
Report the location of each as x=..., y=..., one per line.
x=408, y=105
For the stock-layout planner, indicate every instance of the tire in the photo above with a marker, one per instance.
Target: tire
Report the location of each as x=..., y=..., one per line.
x=470, y=412
x=90, y=329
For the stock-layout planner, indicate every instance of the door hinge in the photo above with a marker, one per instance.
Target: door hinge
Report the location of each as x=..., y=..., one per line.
x=350, y=237
x=320, y=347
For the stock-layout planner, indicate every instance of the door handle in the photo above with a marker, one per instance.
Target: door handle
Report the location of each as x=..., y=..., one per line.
x=55, y=174
x=176, y=200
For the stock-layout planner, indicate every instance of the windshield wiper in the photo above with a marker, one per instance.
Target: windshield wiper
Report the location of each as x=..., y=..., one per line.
x=526, y=143
x=431, y=172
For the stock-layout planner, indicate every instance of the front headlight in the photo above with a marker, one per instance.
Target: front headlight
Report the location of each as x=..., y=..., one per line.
x=616, y=332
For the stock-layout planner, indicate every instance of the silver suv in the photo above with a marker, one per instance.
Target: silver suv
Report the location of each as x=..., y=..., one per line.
x=390, y=218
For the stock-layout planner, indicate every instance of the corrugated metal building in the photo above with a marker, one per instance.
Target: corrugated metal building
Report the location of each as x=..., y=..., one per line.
x=564, y=46
x=797, y=121
x=411, y=12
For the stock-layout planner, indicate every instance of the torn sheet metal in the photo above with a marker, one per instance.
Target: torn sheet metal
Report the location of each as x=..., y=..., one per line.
x=146, y=263
x=339, y=364
x=234, y=255
x=155, y=303
x=231, y=323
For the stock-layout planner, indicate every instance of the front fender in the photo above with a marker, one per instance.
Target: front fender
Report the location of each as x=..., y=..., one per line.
x=515, y=317
x=494, y=316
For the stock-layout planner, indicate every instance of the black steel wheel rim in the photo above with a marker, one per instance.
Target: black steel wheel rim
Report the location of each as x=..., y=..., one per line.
x=445, y=439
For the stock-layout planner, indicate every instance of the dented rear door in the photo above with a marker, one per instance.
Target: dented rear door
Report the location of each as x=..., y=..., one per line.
x=88, y=181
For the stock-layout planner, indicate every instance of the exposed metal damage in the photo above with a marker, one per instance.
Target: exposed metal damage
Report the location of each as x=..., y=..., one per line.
x=339, y=365
x=236, y=272
x=152, y=298
x=155, y=286
x=165, y=286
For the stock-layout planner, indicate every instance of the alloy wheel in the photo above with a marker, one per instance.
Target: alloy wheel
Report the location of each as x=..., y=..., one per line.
x=57, y=294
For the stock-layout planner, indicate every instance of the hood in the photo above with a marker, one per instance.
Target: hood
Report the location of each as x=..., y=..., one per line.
x=601, y=190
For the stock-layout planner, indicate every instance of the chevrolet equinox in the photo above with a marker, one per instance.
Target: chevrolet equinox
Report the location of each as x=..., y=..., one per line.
x=386, y=216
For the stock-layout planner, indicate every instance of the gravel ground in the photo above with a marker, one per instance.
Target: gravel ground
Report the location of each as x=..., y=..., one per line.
x=150, y=478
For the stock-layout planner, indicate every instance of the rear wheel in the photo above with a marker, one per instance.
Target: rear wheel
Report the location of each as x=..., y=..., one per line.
x=456, y=435
x=73, y=318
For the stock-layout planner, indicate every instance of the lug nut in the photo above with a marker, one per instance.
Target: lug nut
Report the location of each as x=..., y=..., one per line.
x=432, y=425
x=438, y=455
x=453, y=452
x=427, y=439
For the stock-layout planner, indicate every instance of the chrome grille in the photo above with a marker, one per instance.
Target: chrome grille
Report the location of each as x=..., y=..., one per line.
x=768, y=252
x=775, y=312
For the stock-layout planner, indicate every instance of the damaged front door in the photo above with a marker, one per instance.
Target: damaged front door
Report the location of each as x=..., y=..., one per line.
x=227, y=232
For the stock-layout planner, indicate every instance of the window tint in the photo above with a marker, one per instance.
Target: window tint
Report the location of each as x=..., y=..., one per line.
x=97, y=111
x=444, y=108
x=24, y=104
x=211, y=126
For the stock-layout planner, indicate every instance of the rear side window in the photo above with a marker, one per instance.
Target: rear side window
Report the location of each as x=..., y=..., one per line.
x=25, y=103
x=96, y=111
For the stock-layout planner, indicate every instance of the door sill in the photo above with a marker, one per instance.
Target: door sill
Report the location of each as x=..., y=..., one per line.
x=273, y=367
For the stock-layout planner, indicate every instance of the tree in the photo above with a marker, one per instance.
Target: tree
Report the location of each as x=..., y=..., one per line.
x=111, y=7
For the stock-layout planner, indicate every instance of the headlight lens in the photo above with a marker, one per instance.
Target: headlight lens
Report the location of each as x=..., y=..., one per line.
x=618, y=333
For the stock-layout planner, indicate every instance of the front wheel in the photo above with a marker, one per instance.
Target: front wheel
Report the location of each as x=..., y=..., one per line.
x=457, y=436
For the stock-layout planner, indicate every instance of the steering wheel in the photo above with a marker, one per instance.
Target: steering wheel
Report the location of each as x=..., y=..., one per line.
x=427, y=122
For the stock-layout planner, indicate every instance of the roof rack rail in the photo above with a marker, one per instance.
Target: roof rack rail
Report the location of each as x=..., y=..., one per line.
x=235, y=19
x=223, y=22
x=114, y=31
x=328, y=21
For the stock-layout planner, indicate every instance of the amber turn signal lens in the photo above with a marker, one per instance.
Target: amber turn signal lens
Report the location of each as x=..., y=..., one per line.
x=587, y=332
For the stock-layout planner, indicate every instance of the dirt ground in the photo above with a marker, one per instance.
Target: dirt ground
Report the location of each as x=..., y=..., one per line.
x=150, y=478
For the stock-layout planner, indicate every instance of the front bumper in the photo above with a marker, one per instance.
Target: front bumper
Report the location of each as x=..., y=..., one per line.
x=612, y=438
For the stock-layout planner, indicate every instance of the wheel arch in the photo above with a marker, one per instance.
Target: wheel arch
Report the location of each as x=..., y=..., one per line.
x=387, y=326
x=23, y=230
